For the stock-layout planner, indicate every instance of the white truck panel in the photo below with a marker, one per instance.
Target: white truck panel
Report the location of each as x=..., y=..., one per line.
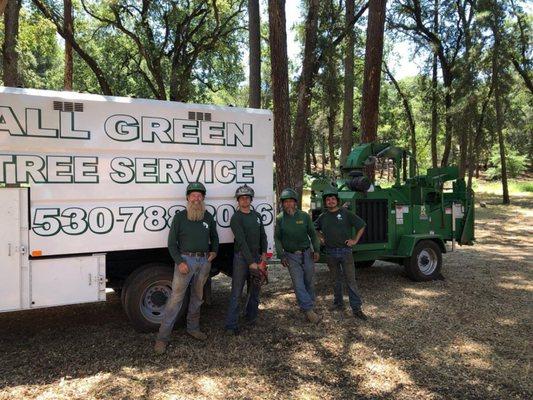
x=67, y=280
x=13, y=246
x=108, y=173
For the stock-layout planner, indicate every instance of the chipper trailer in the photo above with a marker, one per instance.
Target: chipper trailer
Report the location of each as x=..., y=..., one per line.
x=409, y=223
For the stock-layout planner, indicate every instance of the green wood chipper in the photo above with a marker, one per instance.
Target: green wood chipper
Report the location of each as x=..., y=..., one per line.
x=411, y=223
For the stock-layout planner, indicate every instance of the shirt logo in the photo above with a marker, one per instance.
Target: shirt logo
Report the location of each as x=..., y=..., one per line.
x=206, y=226
x=339, y=217
x=300, y=222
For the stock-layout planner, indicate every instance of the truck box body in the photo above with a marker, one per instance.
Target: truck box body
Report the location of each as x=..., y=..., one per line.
x=107, y=174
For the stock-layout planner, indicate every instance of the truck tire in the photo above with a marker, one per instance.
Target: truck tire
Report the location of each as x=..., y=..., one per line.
x=425, y=263
x=145, y=294
x=364, y=264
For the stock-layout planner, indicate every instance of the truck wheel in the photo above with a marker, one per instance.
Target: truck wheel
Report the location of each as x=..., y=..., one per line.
x=425, y=263
x=364, y=264
x=145, y=295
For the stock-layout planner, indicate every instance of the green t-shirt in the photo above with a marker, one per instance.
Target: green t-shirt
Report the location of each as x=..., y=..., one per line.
x=249, y=232
x=294, y=232
x=337, y=227
x=191, y=236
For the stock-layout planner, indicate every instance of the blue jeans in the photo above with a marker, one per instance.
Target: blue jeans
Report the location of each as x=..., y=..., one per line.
x=302, y=271
x=341, y=265
x=241, y=272
x=198, y=273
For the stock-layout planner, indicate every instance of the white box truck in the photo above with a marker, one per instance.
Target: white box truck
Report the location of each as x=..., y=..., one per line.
x=89, y=185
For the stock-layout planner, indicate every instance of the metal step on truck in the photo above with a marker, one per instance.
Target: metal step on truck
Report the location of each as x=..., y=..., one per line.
x=89, y=185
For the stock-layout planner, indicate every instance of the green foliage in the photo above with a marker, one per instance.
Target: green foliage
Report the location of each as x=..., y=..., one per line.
x=516, y=163
x=516, y=186
x=525, y=187
x=40, y=57
x=212, y=70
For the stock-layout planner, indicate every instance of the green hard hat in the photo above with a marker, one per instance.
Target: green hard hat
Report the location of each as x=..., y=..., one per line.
x=330, y=191
x=196, y=187
x=244, y=190
x=288, y=193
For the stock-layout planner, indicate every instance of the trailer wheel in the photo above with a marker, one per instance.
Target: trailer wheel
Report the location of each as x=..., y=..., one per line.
x=145, y=295
x=425, y=263
x=364, y=264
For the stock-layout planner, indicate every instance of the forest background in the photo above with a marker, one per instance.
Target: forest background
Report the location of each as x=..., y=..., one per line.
x=470, y=102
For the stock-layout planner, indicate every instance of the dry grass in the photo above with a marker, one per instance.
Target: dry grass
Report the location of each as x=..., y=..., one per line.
x=465, y=337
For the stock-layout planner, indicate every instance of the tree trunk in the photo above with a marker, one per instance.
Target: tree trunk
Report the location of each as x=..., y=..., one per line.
x=9, y=49
x=407, y=109
x=523, y=73
x=467, y=90
x=501, y=142
x=347, y=123
x=69, y=27
x=332, y=116
x=301, y=127
x=447, y=126
x=280, y=93
x=372, y=74
x=323, y=152
x=3, y=4
x=434, y=86
x=254, y=100
x=90, y=61
x=308, y=158
x=498, y=101
x=476, y=145
x=313, y=152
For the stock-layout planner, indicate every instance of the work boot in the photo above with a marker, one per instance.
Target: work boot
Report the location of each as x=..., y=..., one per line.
x=232, y=332
x=250, y=323
x=198, y=335
x=360, y=314
x=312, y=316
x=337, y=307
x=160, y=347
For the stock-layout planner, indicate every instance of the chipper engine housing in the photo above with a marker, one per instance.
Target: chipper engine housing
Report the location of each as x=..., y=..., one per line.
x=410, y=223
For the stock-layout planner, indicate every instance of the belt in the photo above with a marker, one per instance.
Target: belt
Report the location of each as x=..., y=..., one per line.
x=337, y=250
x=194, y=254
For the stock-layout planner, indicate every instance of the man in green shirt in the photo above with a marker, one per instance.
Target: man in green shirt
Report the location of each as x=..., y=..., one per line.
x=336, y=226
x=250, y=248
x=293, y=236
x=193, y=244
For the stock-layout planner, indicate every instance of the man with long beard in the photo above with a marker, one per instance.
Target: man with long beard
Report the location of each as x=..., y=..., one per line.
x=336, y=226
x=193, y=244
x=293, y=235
x=250, y=248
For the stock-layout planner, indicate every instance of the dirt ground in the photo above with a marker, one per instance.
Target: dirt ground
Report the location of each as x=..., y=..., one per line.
x=468, y=336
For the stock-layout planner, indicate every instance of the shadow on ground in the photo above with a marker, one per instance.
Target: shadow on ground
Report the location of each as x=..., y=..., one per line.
x=465, y=337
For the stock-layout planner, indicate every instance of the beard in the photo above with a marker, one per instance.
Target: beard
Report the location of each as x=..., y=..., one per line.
x=290, y=210
x=195, y=211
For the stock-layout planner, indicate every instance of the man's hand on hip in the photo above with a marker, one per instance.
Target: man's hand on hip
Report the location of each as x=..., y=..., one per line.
x=351, y=242
x=211, y=256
